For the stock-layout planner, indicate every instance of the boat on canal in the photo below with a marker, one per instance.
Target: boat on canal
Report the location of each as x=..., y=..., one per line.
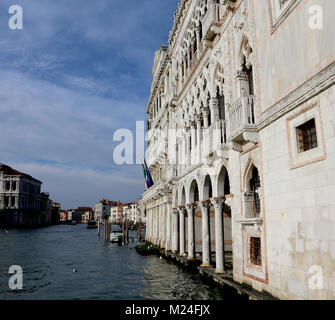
x=116, y=235
x=92, y=224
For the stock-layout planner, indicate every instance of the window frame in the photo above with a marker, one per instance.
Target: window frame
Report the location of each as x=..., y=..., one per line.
x=301, y=159
x=278, y=15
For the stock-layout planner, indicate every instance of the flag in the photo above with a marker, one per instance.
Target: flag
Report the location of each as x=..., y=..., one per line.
x=150, y=182
x=145, y=176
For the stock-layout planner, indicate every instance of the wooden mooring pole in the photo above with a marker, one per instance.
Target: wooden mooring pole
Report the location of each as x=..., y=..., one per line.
x=106, y=230
x=127, y=233
x=98, y=227
x=123, y=233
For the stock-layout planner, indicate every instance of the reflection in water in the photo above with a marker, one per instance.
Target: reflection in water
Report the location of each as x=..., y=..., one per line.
x=49, y=255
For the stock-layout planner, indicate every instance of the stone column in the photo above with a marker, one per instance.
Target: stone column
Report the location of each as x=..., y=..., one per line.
x=214, y=105
x=168, y=226
x=156, y=225
x=182, y=231
x=175, y=217
x=205, y=114
x=160, y=213
x=160, y=225
x=164, y=224
x=191, y=231
x=152, y=233
x=193, y=138
x=219, y=237
x=197, y=31
x=193, y=47
x=188, y=60
x=171, y=228
x=198, y=120
x=148, y=230
x=206, y=235
x=153, y=224
x=242, y=83
x=188, y=153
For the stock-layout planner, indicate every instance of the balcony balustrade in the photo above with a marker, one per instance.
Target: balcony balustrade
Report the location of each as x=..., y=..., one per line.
x=157, y=151
x=242, y=120
x=215, y=140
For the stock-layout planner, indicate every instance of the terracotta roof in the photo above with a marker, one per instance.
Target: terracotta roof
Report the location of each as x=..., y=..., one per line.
x=12, y=172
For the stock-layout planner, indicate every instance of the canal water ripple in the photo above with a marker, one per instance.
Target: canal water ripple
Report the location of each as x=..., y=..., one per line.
x=49, y=256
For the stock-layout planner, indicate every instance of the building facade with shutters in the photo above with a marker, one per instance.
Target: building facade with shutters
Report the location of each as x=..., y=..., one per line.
x=241, y=143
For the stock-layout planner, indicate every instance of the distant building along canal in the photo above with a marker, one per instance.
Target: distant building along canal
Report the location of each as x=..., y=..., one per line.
x=21, y=202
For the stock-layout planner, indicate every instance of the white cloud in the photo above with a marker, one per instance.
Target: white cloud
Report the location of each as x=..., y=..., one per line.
x=80, y=187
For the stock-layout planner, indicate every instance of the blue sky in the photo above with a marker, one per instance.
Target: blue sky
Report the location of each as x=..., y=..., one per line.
x=78, y=71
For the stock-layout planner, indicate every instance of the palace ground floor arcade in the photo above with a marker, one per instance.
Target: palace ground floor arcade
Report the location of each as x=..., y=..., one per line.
x=192, y=217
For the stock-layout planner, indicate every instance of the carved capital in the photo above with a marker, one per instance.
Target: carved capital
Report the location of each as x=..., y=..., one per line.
x=182, y=210
x=204, y=206
x=191, y=207
x=175, y=211
x=217, y=203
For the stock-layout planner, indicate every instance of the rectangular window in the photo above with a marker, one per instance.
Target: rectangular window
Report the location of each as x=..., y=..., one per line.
x=280, y=10
x=306, y=136
x=255, y=251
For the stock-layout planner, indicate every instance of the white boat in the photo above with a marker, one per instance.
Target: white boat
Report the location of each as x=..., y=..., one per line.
x=116, y=235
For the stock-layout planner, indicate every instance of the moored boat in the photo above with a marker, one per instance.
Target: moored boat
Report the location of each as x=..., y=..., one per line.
x=116, y=235
x=92, y=224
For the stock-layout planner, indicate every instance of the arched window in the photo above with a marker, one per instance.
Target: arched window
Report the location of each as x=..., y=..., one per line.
x=226, y=184
x=209, y=112
x=221, y=104
x=250, y=75
x=253, y=208
x=246, y=58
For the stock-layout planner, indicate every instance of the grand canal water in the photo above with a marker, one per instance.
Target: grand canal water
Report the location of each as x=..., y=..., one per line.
x=48, y=257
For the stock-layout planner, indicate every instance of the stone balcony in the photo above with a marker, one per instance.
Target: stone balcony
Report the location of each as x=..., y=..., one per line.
x=211, y=21
x=159, y=189
x=242, y=120
x=157, y=152
x=214, y=142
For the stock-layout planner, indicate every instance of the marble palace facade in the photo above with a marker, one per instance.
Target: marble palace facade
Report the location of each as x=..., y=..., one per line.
x=241, y=143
